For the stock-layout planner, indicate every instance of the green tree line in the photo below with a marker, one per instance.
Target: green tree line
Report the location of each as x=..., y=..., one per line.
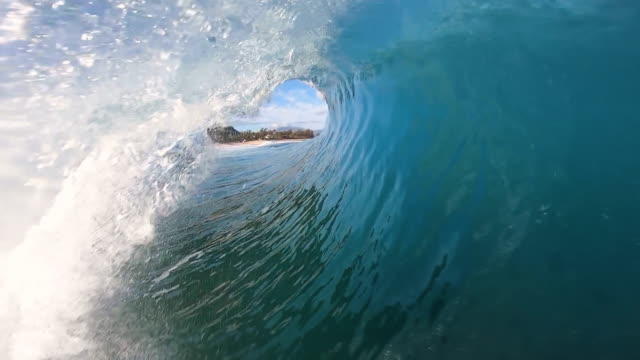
x=227, y=134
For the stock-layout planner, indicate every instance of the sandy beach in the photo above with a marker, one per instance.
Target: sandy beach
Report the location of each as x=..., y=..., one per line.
x=258, y=143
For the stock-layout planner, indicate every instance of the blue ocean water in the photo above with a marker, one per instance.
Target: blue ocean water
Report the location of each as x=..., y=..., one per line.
x=475, y=195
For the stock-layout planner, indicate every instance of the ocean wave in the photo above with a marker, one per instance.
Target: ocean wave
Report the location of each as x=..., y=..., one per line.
x=471, y=197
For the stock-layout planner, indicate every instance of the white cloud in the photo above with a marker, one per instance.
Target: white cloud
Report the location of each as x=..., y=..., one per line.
x=294, y=113
x=294, y=103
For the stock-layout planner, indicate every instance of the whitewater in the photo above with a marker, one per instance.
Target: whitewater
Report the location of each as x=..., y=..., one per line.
x=474, y=194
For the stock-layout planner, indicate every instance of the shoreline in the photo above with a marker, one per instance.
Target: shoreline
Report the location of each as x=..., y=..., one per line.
x=259, y=142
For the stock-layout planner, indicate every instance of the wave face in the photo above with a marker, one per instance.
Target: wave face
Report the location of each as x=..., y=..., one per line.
x=474, y=195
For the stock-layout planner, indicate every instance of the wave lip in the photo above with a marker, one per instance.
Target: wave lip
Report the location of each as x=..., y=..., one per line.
x=104, y=108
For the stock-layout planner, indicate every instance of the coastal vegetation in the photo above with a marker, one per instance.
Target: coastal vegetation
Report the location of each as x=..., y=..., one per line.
x=228, y=134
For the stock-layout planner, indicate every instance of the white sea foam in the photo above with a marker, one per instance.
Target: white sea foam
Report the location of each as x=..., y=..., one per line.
x=102, y=117
x=105, y=208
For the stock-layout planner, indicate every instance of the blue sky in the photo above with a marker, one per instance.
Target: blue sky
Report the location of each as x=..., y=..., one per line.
x=292, y=103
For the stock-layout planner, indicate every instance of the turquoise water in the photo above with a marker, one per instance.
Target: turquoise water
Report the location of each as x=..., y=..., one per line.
x=475, y=195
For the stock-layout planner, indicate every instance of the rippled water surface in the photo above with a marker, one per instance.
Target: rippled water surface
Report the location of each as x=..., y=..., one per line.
x=475, y=194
